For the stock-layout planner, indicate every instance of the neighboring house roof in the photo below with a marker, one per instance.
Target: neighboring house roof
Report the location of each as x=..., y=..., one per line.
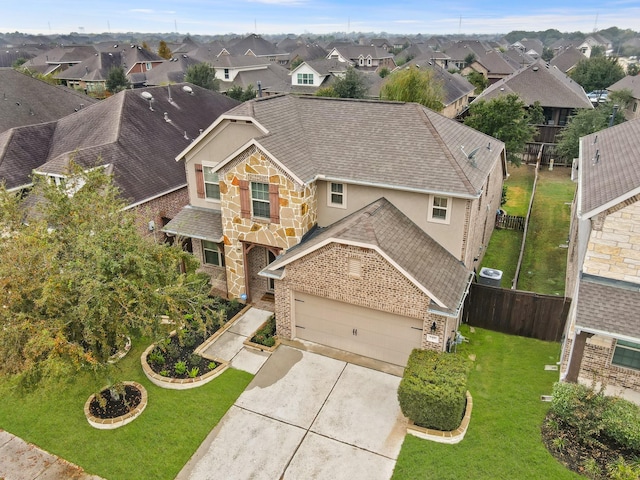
x=139, y=143
x=256, y=45
x=172, y=71
x=517, y=58
x=496, y=64
x=50, y=60
x=609, y=167
x=207, y=52
x=540, y=83
x=97, y=67
x=273, y=80
x=630, y=82
x=194, y=222
x=27, y=101
x=308, y=52
x=608, y=307
x=396, y=145
x=567, y=59
x=354, y=52
x=419, y=257
x=460, y=49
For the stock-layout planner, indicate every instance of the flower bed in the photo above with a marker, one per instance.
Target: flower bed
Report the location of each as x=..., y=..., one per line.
x=264, y=338
x=116, y=406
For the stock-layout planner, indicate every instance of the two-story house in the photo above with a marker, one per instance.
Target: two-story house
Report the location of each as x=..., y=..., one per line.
x=602, y=337
x=366, y=58
x=362, y=219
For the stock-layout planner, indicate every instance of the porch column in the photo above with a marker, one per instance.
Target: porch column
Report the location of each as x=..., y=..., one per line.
x=577, y=352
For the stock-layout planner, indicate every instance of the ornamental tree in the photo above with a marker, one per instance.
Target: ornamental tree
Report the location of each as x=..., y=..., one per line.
x=414, y=85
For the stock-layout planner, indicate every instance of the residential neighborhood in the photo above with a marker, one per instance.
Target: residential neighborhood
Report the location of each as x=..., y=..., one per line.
x=303, y=238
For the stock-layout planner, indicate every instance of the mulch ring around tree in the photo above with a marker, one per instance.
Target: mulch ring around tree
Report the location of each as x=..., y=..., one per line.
x=114, y=406
x=591, y=460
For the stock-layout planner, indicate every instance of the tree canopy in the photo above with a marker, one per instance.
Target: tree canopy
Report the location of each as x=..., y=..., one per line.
x=351, y=85
x=414, y=85
x=76, y=278
x=117, y=80
x=242, y=95
x=585, y=122
x=597, y=73
x=203, y=75
x=505, y=118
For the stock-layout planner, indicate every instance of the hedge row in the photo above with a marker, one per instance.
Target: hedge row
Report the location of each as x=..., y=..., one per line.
x=432, y=392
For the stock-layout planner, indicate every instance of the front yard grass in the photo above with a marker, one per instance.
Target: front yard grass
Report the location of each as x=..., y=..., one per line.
x=504, y=439
x=155, y=445
x=545, y=261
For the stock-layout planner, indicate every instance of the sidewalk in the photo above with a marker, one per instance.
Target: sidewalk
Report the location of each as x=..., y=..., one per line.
x=23, y=461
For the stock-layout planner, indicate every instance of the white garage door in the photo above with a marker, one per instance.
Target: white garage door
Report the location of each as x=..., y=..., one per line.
x=356, y=329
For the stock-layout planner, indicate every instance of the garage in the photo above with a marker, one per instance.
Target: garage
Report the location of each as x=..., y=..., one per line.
x=364, y=331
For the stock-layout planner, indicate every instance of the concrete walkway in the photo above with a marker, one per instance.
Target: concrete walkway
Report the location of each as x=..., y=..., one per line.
x=304, y=415
x=20, y=460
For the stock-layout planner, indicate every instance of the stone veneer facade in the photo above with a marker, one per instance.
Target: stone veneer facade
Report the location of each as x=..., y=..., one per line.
x=325, y=273
x=298, y=212
x=614, y=246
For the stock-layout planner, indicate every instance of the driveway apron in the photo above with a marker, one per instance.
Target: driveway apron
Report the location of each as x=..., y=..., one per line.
x=305, y=415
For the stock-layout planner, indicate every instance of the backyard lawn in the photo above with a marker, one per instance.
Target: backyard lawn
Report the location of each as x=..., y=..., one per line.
x=503, y=440
x=156, y=445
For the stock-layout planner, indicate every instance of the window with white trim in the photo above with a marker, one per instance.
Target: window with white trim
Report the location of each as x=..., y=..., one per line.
x=626, y=354
x=337, y=195
x=212, y=253
x=305, y=79
x=260, y=200
x=211, y=184
x=439, y=209
x=226, y=74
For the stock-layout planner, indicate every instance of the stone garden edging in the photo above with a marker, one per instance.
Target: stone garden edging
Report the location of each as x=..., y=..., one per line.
x=452, y=437
x=112, y=423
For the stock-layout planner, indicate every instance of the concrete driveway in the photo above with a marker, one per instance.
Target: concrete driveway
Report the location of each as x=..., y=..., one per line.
x=305, y=415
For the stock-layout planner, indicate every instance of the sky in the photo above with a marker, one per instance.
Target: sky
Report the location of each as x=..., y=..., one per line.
x=214, y=17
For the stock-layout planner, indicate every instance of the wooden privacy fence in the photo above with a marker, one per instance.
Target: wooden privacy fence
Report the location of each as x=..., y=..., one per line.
x=516, y=312
x=510, y=222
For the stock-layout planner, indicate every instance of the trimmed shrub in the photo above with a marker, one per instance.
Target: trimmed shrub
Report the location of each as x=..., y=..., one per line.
x=432, y=392
x=621, y=423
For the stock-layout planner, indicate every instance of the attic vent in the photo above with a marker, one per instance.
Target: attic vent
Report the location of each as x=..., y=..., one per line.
x=187, y=89
x=535, y=69
x=355, y=267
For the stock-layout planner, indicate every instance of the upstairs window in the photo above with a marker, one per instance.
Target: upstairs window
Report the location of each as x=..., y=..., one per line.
x=439, y=209
x=337, y=195
x=305, y=79
x=226, y=74
x=211, y=184
x=260, y=199
x=626, y=354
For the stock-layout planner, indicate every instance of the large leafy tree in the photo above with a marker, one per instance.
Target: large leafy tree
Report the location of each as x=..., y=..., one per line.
x=163, y=50
x=597, y=73
x=585, y=122
x=117, y=80
x=203, y=75
x=76, y=278
x=351, y=85
x=505, y=118
x=414, y=85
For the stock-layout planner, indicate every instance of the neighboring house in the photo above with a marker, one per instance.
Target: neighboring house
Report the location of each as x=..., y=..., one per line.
x=135, y=135
x=310, y=75
x=567, y=59
x=91, y=74
x=366, y=58
x=171, y=71
x=27, y=101
x=59, y=59
x=307, y=52
x=602, y=337
x=363, y=220
x=460, y=51
x=492, y=65
x=595, y=40
x=247, y=70
x=632, y=84
x=530, y=46
x=256, y=46
x=558, y=95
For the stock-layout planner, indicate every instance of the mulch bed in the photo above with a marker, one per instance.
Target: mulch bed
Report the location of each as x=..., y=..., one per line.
x=116, y=408
x=574, y=454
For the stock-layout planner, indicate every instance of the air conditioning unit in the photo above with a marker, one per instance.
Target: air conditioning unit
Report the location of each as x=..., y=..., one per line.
x=490, y=276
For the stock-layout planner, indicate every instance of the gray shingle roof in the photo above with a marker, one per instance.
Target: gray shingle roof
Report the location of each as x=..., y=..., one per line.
x=136, y=141
x=26, y=101
x=194, y=222
x=567, y=59
x=392, y=144
x=629, y=82
x=616, y=173
x=610, y=307
x=379, y=225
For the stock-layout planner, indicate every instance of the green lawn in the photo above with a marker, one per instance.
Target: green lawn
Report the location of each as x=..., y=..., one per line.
x=544, y=262
x=502, y=254
x=519, y=186
x=503, y=440
x=156, y=445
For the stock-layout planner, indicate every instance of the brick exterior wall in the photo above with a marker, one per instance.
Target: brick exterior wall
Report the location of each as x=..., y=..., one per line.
x=614, y=249
x=166, y=206
x=217, y=274
x=325, y=273
x=596, y=366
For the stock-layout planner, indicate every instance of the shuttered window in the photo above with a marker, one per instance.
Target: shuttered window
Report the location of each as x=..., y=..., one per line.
x=199, y=180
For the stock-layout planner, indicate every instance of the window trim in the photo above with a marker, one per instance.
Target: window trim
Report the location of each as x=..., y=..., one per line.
x=633, y=347
x=305, y=78
x=219, y=251
x=447, y=209
x=260, y=200
x=343, y=194
x=206, y=182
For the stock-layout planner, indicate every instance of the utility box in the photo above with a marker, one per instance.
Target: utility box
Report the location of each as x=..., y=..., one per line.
x=490, y=276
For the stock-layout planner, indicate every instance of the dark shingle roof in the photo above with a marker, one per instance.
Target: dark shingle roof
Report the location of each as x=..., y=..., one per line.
x=26, y=101
x=138, y=143
x=394, y=144
x=609, y=166
x=539, y=83
x=379, y=225
x=609, y=306
x=567, y=59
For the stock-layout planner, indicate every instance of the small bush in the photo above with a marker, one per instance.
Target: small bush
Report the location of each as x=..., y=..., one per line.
x=156, y=357
x=621, y=423
x=180, y=368
x=265, y=335
x=195, y=360
x=432, y=392
x=193, y=373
